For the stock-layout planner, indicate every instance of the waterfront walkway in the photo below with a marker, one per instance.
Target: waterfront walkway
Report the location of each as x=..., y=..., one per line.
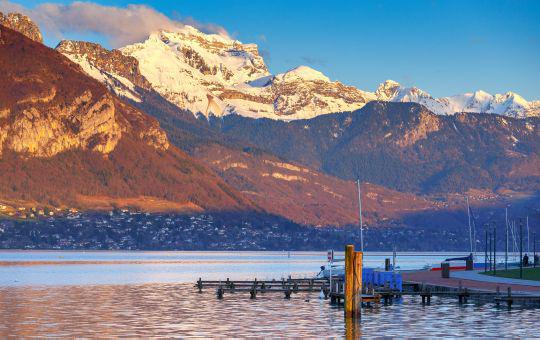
x=477, y=275
x=474, y=281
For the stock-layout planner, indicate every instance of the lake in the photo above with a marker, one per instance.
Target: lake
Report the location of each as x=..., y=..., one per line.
x=133, y=294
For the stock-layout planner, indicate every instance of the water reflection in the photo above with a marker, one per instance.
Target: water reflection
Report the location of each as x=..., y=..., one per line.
x=177, y=310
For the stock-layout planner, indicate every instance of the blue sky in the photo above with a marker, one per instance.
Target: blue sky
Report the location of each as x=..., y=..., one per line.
x=443, y=47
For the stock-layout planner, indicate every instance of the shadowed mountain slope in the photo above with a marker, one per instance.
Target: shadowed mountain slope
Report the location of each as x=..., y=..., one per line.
x=405, y=147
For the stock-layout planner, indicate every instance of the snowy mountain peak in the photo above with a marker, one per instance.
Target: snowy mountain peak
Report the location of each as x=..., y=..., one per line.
x=392, y=91
x=211, y=56
x=508, y=104
x=387, y=90
x=303, y=73
x=481, y=94
x=511, y=98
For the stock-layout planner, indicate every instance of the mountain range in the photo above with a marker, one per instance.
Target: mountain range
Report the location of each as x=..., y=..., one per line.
x=189, y=121
x=210, y=74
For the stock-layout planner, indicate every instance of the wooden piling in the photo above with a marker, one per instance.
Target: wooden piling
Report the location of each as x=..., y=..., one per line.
x=200, y=285
x=287, y=293
x=358, y=265
x=353, y=282
x=509, y=299
x=349, y=280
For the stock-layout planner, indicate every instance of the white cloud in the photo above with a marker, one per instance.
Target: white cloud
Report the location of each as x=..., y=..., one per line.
x=120, y=25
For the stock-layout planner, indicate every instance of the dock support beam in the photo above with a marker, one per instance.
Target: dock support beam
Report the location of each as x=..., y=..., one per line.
x=353, y=282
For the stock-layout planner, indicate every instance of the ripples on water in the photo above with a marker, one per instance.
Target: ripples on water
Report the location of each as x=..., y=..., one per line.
x=178, y=310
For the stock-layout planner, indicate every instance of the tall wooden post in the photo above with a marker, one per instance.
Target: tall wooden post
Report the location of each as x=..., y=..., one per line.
x=353, y=282
x=358, y=261
x=349, y=280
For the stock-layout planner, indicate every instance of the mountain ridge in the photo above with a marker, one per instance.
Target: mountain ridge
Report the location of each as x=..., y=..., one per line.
x=214, y=75
x=404, y=146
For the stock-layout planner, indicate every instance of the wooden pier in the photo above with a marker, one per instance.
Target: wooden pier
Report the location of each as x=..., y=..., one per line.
x=369, y=296
x=285, y=286
x=430, y=284
x=423, y=284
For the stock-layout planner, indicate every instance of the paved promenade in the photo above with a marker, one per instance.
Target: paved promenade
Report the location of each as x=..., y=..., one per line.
x=477, y=276
x=473, y=281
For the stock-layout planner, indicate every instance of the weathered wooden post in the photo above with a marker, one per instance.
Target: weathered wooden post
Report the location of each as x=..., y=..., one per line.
x=359, y=264
x=287, y=293
x=509, y=298
x=353, y=282
x=349, y=279
x=445, y=270
x=200, y=285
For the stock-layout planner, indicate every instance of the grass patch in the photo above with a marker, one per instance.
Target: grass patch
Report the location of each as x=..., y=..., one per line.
x=528, y=273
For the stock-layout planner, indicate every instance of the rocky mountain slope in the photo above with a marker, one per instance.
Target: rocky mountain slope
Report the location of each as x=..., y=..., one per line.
x=307, y=196
x=213, y=75
x=283, y=188
x=66, y=140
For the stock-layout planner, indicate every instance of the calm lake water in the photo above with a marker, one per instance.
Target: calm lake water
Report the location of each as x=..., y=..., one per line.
x=158, y=299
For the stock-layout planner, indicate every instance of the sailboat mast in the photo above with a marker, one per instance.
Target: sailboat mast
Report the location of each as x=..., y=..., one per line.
x=470, y=229
x=506, y=248
x=360, y=213
x=528, y=237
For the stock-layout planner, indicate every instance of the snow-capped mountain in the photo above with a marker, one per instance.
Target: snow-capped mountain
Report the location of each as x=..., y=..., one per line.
x=508, y=104
x=211, y=74
x=300, y=93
